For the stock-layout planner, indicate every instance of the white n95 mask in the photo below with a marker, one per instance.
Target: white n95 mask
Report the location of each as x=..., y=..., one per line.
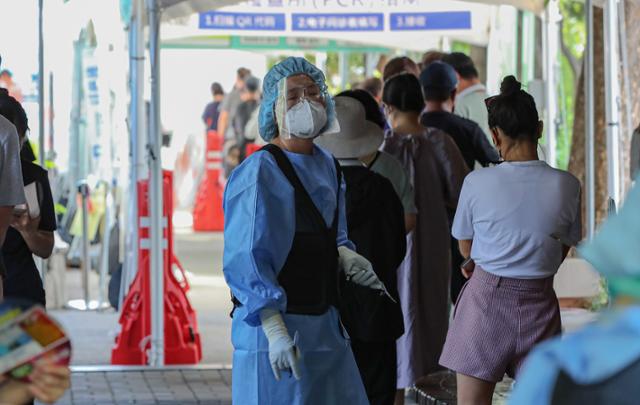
x=306, y=119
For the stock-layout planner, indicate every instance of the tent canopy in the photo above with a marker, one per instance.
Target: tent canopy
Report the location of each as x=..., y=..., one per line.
x=185, y=8
x=172, y=9
x=410, y=24
x=177, y=9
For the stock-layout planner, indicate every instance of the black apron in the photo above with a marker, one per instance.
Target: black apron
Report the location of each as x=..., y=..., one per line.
x=309, y=276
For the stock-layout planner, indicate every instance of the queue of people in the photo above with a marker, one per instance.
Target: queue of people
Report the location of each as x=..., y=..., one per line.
x=348, y=235
x=376, y=225
x=439, y=87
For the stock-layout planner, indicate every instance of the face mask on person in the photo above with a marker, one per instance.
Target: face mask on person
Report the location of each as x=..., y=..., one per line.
x=306, y=119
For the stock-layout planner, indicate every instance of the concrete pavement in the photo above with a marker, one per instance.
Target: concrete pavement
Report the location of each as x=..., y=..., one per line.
x=208, y=386
x=201, y=256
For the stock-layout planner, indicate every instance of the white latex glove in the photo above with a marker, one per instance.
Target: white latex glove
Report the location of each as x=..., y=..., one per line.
x=283, y=354
x=358, y=269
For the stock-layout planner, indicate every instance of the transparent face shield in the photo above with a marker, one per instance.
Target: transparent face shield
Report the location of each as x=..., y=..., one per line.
x=301, y=109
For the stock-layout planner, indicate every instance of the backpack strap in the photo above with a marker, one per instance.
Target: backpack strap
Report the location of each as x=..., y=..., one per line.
x=336, y=215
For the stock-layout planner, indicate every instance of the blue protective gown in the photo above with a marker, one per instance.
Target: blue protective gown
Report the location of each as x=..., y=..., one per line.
x=259, y=230
x=589, y=356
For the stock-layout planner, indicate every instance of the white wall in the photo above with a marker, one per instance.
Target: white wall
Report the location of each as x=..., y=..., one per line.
x=186, y=77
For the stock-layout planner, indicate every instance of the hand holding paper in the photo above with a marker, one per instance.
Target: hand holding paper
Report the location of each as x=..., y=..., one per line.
x=24, y=223
x=33, y=201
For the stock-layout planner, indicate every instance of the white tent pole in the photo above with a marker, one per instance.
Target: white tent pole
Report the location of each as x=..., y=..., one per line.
x=51, y=118
x=371, y=59
x=529, y=51
x=551, y=47
x=138, y=138
x=321, y=62
x=41, y=142
x=628, y=105
x=156, y=249
x=612, y=98
x=42, y=264
x=343, y=62
x=590, y=192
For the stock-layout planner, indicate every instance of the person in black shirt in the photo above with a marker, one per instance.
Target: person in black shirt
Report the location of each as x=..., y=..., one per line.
x=26, y=152
x=27, y=236
x=439, y=82
x=212, y=110
x=375, y=222
x=250, y=96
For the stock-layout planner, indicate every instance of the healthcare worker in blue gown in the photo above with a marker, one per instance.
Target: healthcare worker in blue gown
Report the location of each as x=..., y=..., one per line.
x=285, y=247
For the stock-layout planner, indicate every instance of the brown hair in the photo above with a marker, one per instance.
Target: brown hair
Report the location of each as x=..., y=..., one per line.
x=243, y=73
x=401, y=64
x=431, y=56
x=372, y=85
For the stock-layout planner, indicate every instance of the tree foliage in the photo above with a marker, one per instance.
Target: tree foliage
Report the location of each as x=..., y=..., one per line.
x=573, y=40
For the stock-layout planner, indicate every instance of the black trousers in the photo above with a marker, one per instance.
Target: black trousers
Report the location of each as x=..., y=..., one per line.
x=457, y=279
x=378, y=369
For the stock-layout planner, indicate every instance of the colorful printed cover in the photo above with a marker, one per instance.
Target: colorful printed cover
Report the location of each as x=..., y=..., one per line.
x=27, y=335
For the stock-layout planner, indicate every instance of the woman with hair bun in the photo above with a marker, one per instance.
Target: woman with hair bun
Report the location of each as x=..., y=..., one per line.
x=436, y=170
x=516, y=223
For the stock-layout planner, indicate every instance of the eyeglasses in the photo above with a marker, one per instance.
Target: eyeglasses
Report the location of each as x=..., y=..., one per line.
x=311, y=92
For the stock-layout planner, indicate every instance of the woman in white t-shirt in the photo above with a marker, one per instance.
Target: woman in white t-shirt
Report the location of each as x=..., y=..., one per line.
x=516, y=223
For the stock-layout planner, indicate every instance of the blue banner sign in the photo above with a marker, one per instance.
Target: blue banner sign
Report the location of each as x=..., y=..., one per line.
x=242, y=21
x=445, y=20
x=337, y=22
x=92, y=72
x=92, y=85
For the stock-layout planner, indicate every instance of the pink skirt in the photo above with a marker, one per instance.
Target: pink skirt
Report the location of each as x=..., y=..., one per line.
x=496, y=323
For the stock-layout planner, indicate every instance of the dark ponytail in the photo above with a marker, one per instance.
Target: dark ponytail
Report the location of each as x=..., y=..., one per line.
x=514, y=111
x=404, y=93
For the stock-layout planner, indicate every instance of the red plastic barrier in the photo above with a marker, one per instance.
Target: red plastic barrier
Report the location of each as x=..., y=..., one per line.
x=207, y=210
x=182, y=339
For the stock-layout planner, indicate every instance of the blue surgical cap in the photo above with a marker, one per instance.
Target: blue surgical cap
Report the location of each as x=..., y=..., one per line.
x=287, y=68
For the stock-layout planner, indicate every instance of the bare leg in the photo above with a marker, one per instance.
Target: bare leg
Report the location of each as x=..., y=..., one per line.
x=474, y=391
x=399, y=397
